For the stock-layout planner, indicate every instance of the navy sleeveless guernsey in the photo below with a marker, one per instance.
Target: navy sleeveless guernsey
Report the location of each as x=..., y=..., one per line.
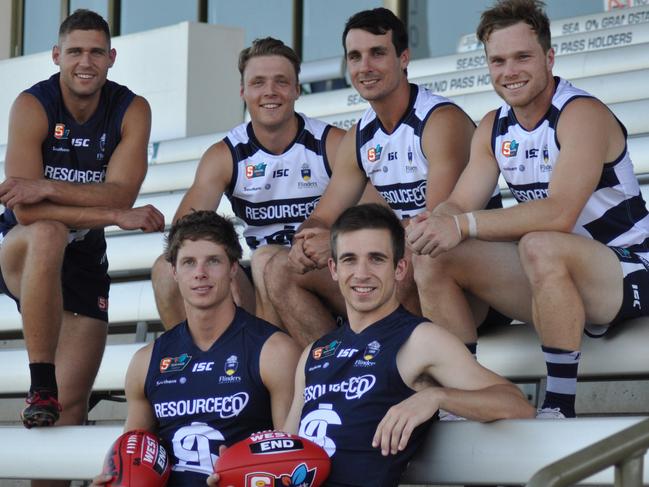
x=78, y=153
x=351, y=382
x=203, y=400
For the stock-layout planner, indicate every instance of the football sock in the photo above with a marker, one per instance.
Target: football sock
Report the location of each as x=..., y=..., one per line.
x=562, y=379
x=43, y=377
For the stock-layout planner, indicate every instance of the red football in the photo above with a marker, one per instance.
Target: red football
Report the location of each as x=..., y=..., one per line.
x=273, y=459
x=137, y=459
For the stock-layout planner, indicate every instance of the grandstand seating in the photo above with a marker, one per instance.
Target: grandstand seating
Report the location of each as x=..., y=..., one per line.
x=505, y=452
x=616, y=75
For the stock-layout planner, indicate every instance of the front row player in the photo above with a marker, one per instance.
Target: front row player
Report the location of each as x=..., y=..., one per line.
x=220, y=375
x=385, y=367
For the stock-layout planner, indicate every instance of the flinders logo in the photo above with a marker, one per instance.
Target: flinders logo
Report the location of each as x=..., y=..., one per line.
x=371, y=351
x=306, y=182
x=230, y=368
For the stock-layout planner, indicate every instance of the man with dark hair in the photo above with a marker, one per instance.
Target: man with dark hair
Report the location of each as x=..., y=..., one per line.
x=76, y=157
x=218, y=376
x=369, y=389
x=411, y=144
x=273, y=170
x=571, y=257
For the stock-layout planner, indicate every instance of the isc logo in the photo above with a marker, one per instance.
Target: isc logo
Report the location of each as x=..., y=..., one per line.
x=280, y=173
x=347, y=352
x=202, y=367
x=81, y=142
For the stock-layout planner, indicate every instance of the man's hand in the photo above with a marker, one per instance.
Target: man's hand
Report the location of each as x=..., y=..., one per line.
x=213, y=479
x=146, y=218
x=16, y=191
x=101, y=479
x=317, y=246
x=297, y=258
x=433, y=234
x=394, y=430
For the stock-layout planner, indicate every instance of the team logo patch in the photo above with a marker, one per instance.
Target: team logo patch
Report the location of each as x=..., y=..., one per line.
x=372, y=350
x=174, y=364
x=326, y=351
x=230, y=369
x=300, y=477
x=231, y=365
x=374, y=153
x=305, y=171
x=102, y=303
x=509, y=148
x=256, y=170
x=60, y=132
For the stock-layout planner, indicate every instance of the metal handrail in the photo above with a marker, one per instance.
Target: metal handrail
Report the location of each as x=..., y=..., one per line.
x=625, y=450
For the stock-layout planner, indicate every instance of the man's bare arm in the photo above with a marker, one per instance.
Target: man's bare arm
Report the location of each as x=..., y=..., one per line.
x=347, y=184
x=140, y=413
x=212, y=178
x=278, y=359
x=345, y=188
x=446, y=143
x=431, y=233
x=125, y=171
x=292, y=424
x=465, y=387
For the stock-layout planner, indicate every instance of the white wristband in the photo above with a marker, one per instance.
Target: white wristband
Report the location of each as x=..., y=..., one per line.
x=473, y=226
x=457, y=225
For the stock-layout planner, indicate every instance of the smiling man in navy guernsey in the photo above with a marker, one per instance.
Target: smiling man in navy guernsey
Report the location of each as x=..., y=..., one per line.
x=411, y=144
x=76, y=157
x=367, y=391
x=572, y=255
x=217, y=377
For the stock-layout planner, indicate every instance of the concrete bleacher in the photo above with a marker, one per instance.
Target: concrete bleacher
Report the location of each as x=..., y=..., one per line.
x=617, y=75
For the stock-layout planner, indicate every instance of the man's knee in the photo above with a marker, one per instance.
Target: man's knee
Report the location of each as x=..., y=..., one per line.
x=74, y=409
x=427, y=270
x=162, y=276
x=277, y=267
x=539, y=253
x=260, y=261
x=48, y=235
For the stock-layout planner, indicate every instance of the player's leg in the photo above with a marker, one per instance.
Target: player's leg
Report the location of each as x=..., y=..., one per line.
x=243, y=291
x=264, y=308
x=167, y=296
x=455, y=287
x=78, y=356
x=31, y=258
x=77, y=366
x=573, y=280
x=306, y=302
x=407, y=288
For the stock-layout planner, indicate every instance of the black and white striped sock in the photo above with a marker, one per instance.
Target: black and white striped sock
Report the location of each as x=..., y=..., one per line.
x=561, y=388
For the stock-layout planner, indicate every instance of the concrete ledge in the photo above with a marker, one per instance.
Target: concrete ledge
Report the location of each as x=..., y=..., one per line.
x=504, y=452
